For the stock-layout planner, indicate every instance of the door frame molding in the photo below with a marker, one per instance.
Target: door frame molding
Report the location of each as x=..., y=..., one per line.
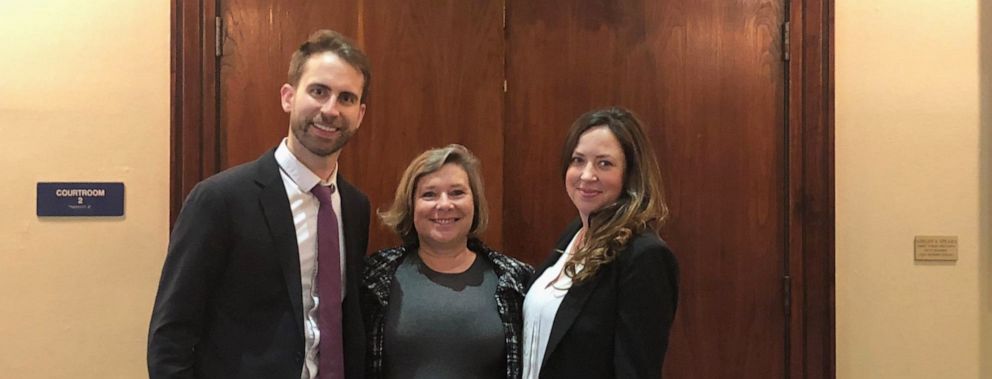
x=194, y=155
x=194, y=143
x=811, y=221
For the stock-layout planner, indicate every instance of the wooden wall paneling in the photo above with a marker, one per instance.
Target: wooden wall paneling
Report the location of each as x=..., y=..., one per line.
x=259, y=38
x=176, y=80
x=437, y=79
x=193, y=114
x=539, y=110
x=708, y=81
x=812, y=322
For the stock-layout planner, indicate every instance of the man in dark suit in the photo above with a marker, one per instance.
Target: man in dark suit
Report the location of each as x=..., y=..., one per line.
x=240, y=290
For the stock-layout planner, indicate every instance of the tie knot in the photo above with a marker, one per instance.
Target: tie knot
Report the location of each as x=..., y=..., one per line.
x=323, y=193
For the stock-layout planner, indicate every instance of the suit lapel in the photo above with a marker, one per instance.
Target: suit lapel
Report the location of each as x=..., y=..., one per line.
x=572, y=304
x=352, y=232
x=279, y=218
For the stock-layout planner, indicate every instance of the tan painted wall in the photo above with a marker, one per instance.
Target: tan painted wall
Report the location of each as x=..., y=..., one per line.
x=84, y=96
x=910, y=161
x=985, y=187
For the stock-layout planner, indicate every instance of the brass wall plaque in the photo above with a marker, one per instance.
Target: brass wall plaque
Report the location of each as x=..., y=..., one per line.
x=936, y=248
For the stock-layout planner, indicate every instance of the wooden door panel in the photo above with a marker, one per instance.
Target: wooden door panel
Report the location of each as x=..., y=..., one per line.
x=437, y=72
x=259, y=38
x=706, y=77
x=437, y=78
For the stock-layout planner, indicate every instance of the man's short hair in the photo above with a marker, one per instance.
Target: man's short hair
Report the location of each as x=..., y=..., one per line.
x=328, y=40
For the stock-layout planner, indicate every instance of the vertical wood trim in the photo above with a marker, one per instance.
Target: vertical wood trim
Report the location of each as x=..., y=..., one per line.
x=187, y=31
x=175, y=107
x=811, y=190
x=796, y=351
x=503, y=216
x=210, y=162
x=193, y=140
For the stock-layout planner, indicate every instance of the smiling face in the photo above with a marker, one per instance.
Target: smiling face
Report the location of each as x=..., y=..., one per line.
x=443, y=207
x=595, y=174
x=324, y=107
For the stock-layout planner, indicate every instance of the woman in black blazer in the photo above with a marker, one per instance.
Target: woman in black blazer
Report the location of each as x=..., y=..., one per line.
x=602, y=305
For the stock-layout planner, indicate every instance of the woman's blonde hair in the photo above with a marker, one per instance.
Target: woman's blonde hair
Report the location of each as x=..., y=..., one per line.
x=641, y=204
x=399, y=216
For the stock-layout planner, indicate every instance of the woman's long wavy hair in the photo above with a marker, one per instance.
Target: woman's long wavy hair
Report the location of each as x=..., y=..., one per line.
x=641, y=205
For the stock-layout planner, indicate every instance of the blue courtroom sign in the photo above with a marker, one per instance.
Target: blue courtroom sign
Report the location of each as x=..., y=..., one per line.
x=80, y=199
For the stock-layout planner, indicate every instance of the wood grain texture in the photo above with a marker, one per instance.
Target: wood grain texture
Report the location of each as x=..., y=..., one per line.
x=751, y=195
x=437, y=80
x=811, y=98
x=259, y=38
x=193, y=142
x=707, y=79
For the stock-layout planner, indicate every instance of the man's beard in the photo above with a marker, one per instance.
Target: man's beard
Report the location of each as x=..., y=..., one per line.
x=312, y=143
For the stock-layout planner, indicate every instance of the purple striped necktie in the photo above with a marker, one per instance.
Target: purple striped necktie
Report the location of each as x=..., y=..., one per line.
x=330, y=351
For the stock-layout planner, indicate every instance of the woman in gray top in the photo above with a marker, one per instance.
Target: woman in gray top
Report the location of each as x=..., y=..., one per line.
x=442, y=305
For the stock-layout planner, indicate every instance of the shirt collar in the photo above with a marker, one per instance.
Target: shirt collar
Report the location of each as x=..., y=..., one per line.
x=298, y=172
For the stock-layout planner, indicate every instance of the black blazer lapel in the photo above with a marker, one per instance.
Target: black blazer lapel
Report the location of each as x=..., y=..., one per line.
x=568, y=311
x=576, y=297
x=279, y=218
x=354, y=240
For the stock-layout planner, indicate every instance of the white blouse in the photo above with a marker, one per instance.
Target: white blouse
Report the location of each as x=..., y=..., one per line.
x=540, y=306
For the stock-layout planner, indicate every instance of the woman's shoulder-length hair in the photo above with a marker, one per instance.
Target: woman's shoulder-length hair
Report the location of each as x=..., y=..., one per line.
x=399, y=215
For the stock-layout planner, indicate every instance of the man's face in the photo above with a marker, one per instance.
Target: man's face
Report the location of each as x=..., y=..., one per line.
x=324, y=108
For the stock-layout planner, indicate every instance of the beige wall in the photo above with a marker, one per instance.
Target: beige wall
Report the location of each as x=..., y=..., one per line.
x=84, y=96
x=985, y=186
x=909, y=162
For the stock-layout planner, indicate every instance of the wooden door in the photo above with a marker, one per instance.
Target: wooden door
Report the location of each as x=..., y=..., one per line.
x=437, y=78
x=751, y=196
x=708, y=80
x=258, y=39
